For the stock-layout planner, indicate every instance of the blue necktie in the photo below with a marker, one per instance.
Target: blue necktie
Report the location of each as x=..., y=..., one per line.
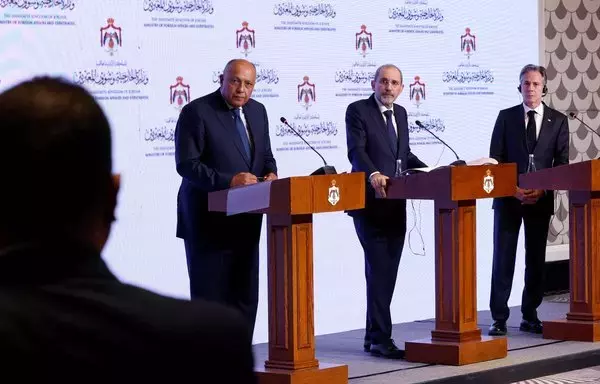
x=242, y=131
x=391, y=131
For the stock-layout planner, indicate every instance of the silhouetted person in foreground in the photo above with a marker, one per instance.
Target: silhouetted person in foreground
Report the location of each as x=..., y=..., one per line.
x=63, y=314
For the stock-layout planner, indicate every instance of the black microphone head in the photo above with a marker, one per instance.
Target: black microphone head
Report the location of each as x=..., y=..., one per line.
x=572, y=114
x=283, y=120
x=419, y=123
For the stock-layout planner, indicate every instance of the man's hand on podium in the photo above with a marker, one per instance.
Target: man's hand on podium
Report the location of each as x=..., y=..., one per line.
x=243, y=178
x=270, y=176
x=379, y=183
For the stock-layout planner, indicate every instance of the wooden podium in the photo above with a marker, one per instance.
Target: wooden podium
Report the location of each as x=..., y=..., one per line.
x=289, y=204
x=582, y=180
x=456, y=339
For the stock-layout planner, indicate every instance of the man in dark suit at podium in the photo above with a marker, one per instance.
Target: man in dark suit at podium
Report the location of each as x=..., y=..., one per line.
x=63, y=315
x=222, y=141
x=377, y=136
x=527, y=128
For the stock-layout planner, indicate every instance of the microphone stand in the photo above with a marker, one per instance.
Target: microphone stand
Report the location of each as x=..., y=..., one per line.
x=325, y=169
x=458, y=161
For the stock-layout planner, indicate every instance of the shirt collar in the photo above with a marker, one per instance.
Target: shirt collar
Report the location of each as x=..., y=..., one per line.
x=539, y=109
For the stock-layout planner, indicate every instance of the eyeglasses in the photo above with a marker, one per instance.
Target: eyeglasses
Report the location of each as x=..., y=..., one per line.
x=386, y=82
x=237, y=82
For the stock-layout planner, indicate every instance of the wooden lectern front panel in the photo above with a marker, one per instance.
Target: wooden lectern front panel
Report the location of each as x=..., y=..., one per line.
x=290, y=279
x=456, y=301
x=584, y=223
x=327, y=193
x=483, y=181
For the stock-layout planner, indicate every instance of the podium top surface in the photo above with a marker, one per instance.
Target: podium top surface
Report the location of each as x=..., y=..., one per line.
x=583, y=176
x=456, y=183
x=293, y=195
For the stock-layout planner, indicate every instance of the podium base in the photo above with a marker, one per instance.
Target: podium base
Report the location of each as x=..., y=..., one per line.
x=572, y=330
x=450, y=353
x=324, y=373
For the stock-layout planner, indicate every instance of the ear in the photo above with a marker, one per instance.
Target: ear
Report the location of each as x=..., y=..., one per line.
x=114, y=192
x=221, y=79
x=401, y=89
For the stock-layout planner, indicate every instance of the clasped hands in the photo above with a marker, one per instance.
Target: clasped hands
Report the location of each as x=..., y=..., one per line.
x=246, y=178
x=529, y=196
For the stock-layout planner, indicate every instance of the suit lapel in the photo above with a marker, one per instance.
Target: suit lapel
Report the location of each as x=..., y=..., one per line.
x=381, y=125
x=519, y=126
x=227, y=119
x=545, y=129
x=254, y=130
x=399, y=125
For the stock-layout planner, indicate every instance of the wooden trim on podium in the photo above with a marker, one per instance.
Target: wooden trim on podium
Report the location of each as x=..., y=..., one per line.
x=582, y=180
x=290, y=204
x=582, y=323
x=290, y=274
x=456, y=339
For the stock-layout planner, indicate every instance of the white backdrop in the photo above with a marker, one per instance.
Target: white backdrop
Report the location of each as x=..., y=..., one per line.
x=144, y=59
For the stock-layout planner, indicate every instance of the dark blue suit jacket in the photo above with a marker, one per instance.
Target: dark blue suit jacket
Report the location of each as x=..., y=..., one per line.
x=508, y=145
x=208, y=153
x=370, y=150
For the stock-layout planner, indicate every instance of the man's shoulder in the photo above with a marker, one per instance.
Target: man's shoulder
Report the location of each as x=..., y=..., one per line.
x=188, y=313
x=513, y=109
x=253, y=104
x=360, y=104
x=126, y=321
x=399, y=108
x=553, y=112
x=205, y=101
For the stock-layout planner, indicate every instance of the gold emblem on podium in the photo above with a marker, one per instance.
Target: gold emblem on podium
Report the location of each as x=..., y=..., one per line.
x=334, y=194
x=488, y=182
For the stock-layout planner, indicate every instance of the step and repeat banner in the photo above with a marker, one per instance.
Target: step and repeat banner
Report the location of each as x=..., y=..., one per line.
x=144, y=60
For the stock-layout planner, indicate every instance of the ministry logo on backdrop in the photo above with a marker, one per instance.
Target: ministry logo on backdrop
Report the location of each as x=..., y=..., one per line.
x=113, y=79
x=467, y=43
x=417, y=91
x=111, y=37
x=306, y=93
x=244, y=39
x=363, y=41
x=320, y=133
x=469, y=78
x=179, y=93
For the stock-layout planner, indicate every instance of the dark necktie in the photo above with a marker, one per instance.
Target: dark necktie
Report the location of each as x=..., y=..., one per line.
x=390, y=128
x=242, y=131
x=531, y=136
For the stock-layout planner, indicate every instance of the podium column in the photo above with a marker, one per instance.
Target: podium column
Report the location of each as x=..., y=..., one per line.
x=583, y=320
x=291, y=307
x=456, y=339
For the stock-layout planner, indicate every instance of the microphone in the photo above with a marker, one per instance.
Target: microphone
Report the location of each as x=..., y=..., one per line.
x=458, y=160
x=325, y=169
x=574, y=116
